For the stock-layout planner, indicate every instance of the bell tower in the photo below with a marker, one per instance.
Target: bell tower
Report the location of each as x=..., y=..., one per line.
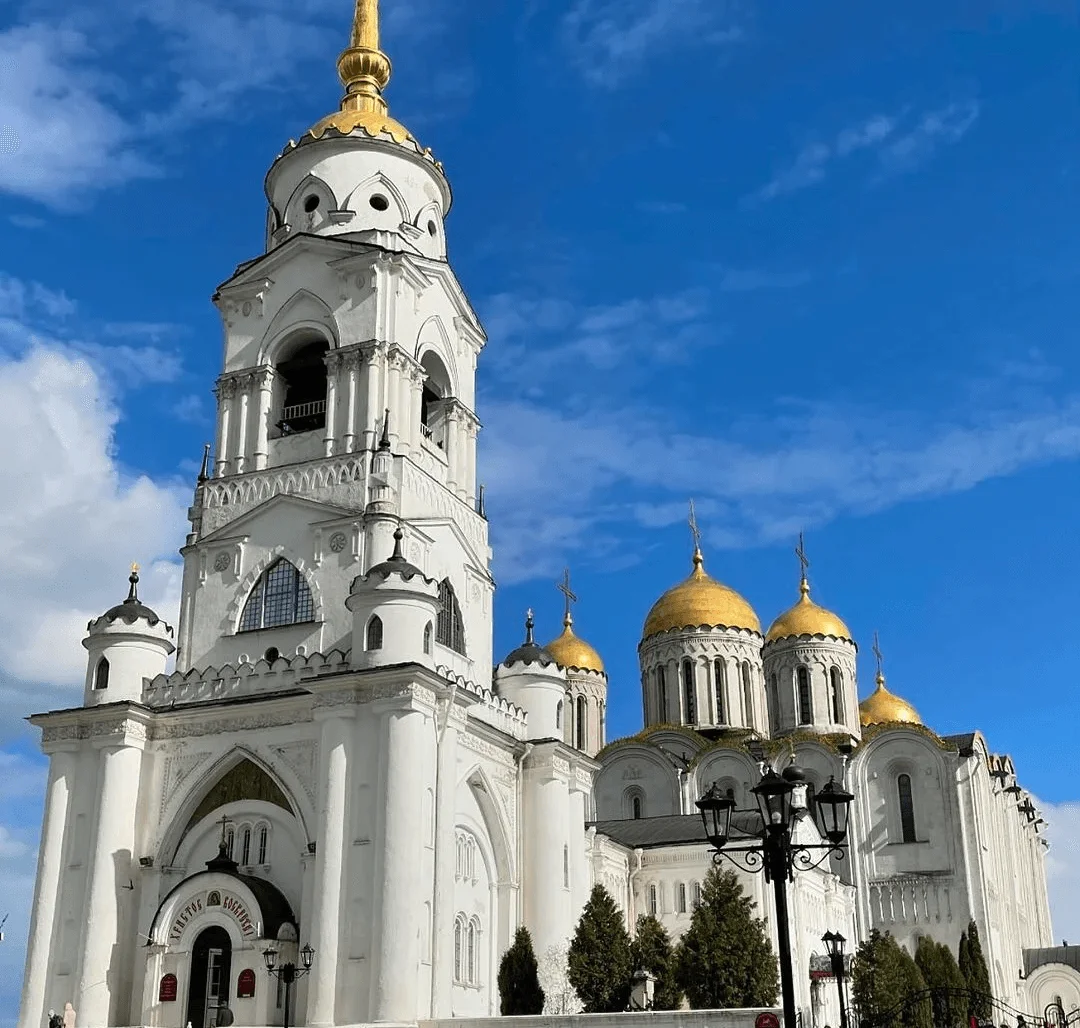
x=347, y=394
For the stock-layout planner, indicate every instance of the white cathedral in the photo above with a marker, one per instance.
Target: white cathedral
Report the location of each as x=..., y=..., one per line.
x=319, y=754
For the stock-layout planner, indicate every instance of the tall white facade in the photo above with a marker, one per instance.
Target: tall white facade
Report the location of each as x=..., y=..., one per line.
x=332, y=762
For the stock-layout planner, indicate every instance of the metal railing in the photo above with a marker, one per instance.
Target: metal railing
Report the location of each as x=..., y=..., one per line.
x=303, y=417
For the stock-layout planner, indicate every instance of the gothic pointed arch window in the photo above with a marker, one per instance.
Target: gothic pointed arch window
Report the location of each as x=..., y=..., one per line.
x=101, y=674
x=836, y=688
x=582, y=723
x=689, y=693
x=449, y=626
x=374, y=636
x=803, y=695
x=279, y=597
x=720, y=688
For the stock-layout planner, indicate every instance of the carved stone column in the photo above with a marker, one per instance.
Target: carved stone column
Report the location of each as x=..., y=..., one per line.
x=244, y=384
x=226, y=391
x=333, y=371
x=371, y=412
x=264, y=386
x=351, y=361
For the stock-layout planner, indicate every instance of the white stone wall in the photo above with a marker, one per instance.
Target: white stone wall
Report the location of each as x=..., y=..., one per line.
x=819, y=656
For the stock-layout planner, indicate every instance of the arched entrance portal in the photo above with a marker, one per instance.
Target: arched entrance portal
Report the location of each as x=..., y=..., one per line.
x=211, y=966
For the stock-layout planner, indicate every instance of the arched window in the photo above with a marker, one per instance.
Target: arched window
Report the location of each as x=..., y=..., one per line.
x=304, y=376
x=566, y=867
x=264, y=835
x=437, y=388
x=427, y=637
x=689, y=693
x=747, y=695
x=695, y=896
x=280, y=597
x=654, y=905
x=603, y=722
x=907, y=808
x=582, y=723
x=245, y=846
x=661, y=695
x=230, y=842
x=636, y=807
x=373, y=639
x=470, y=951
x=558, y=715
x=806, y=702
x=836, y=686
x=459, y=865
x=449, y=627
x=680, y=898
x=634, y=803
x=720, y=688
x=459, y=948
x=101, y=674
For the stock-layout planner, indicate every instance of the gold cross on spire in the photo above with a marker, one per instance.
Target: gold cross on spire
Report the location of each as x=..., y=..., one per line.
x=135, y=569
x=878, y=657
x=800, y=552
x=695, y=532
x=569, y=597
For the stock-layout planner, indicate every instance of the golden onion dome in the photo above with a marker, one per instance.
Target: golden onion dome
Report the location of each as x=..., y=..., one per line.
x=807, y=618
x=571, y=651
x=883, y=707
x=700, y=600
x=364, y=71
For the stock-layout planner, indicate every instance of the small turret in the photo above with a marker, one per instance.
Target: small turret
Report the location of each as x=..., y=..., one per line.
x=127, y=644
x=394, y=608
x=530, y=678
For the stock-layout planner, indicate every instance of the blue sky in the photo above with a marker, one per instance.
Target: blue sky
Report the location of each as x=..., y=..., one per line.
x=815, y=265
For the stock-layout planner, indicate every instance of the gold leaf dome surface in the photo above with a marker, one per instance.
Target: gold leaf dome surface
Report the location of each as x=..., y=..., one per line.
x=807, y=618
x=700, y=600
x=571, y=651
x=883, y=707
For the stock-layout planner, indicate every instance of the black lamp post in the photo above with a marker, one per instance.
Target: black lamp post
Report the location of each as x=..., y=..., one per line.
x=834, y=944
x=769, y=848
x=288, y=973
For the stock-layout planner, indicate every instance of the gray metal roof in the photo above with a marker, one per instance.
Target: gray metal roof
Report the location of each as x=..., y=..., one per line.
x=1034, y=958
x=671, y=830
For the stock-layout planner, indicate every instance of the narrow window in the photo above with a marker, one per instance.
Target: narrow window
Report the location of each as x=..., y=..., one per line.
x=695, y=895
x=566, y=867
x=661, y=695
x=747, y=695
x=636, y=806
x=459, y=942
x=374, y=633
x=720, y=686
x=907, y=809
x=264, y=833
x=471, y=953
x=280, y=597
x=449, y=625
x=680, y=898
x=427, y=637
x=558, y=715
x=806, y=704
x=689, y=693
x=230, y=843
x=582, y=722
x=101, y=674
x=653, y=905
x=836, y=684
x=245, y=847
x=459, y=866
x=603, y=723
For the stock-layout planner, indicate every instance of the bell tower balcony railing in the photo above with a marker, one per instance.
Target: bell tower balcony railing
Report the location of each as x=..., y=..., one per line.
x=303, y=417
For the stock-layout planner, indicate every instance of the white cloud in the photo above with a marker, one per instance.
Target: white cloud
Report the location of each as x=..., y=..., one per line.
x=897, y=149
x=61, y=133
x=609, y=40
x=1063, y=868
x=71, y=520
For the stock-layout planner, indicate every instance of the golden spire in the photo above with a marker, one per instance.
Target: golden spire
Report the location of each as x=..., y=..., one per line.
x=569, y=650
x=364, y=70
x=804, y=564
x=806, y=617
x=882, y=706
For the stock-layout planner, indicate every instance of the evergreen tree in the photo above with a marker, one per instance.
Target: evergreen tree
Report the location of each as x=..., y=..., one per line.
x=519, y=986
x=980, y=1005
x=725, y=958
x=949, y=999
x=598, y=964
x=651, y=951
x=884, y=981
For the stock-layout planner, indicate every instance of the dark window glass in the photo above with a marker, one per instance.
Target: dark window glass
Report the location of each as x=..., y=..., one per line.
x=836, y=684
x=907, y=809
x=101, y=674
x=449, y=628
x=374, y=634
x=637, y=807
x=280, y=597
x=661, y=695
x=582, y=722
x=720, y=687
x=806, y=703
x=689, y=693
x=748, y=695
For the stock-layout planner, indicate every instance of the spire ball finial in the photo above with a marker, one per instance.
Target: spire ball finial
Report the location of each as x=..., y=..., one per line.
x=529, y=625
x=133, y=579
x=399, y=535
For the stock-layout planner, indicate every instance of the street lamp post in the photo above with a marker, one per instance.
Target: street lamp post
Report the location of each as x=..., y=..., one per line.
x=834, y=944
x=288, y=972
x=773, y=850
